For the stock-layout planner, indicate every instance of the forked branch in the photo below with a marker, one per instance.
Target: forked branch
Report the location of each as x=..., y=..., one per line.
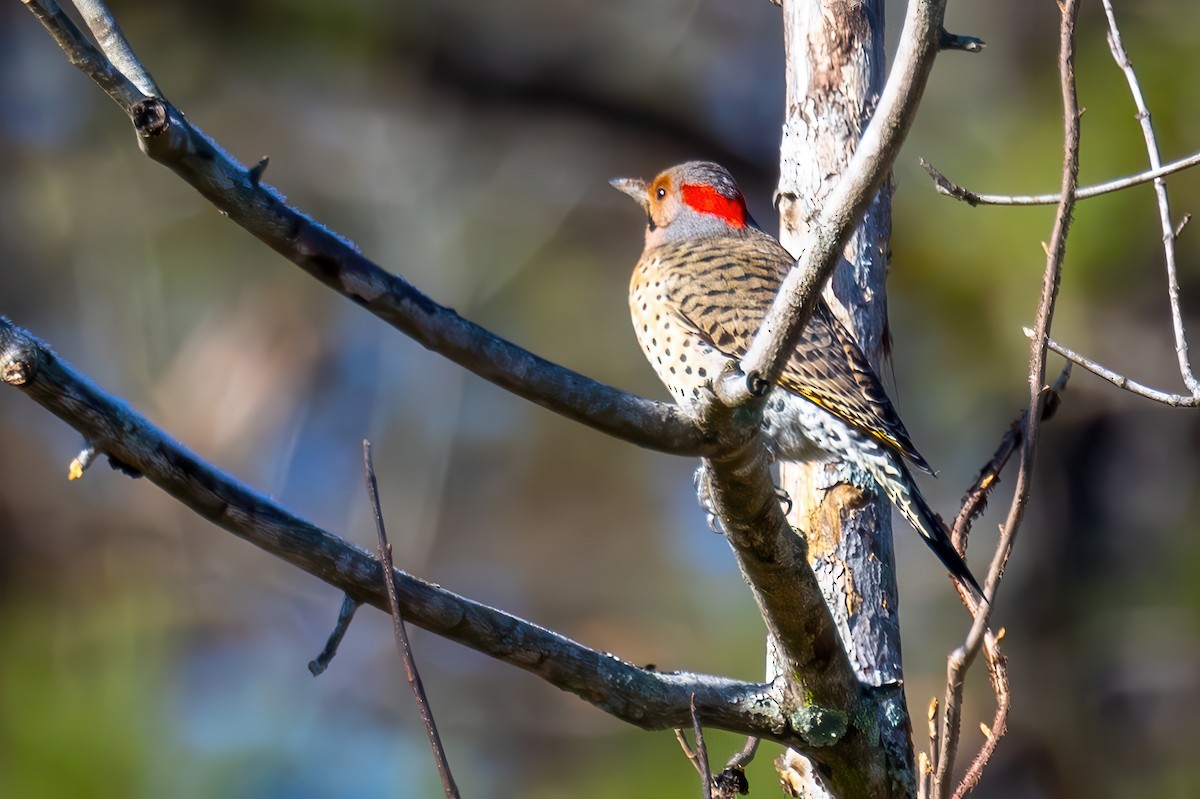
x=1170, y=231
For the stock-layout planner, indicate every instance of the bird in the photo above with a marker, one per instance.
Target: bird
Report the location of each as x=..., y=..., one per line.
x=705, y=280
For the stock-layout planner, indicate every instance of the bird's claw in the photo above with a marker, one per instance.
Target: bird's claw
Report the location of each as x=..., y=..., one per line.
x=784, y=500
x=704, y=495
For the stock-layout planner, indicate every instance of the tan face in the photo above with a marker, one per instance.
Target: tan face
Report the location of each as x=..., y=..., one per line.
x=660, y=199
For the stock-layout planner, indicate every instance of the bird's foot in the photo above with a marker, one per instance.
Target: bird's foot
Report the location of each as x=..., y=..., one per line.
x=784, y=500
x=704, y=495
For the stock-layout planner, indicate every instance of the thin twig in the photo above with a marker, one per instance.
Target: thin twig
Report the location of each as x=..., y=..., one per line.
x=688, y=751
x=951, y=189
x=974, y=500
x=701, y=761
x=745, y=756
x=998, y=674
x=1119, y=380
x=1182, y=224
x=961, y=658
x=930, y=766
x=1160, y=192
x=317, y=665
x=403, y=645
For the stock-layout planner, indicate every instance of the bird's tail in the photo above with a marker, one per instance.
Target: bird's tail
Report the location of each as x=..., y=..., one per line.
x=897, y=482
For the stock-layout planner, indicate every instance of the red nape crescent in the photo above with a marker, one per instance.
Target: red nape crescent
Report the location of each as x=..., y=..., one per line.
x=708, y=200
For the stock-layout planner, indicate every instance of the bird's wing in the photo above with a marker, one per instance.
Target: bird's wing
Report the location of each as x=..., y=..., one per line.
x=725, y=300
x=829, y=369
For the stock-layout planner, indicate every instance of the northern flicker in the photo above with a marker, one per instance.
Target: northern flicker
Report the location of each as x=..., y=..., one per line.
x=698, y=295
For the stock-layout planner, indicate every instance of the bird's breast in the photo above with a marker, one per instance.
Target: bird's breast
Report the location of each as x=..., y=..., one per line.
x=679, y=354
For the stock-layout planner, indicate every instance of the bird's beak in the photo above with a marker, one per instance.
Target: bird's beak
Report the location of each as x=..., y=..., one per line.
x=634, y=187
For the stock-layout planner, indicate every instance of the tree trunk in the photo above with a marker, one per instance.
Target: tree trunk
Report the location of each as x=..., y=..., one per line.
x=835, y=72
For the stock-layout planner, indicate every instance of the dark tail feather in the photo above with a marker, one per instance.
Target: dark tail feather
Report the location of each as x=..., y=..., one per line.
x=898, y=484
x=948, y=555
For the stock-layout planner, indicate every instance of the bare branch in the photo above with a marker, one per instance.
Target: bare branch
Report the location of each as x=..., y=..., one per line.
x=84, y=55
x=998, y=674
x=169, y=138
x=951, y=189
x=648, y=699
x=961, y=658
x=745, y=756
x=688, y=751
x=112, y=41
x=927, y=768
x=973, y=504
x=823, y=688
x=1182, y=224
x=402, y=643
x=1118, y=380
x=1169, y=231
x=974, y=500
x=1160, y=192
x=320, y=663
x=701, y=761
x=841, y=212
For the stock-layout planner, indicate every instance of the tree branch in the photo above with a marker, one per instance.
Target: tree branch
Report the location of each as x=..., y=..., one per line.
x=167, y=137
x=1160, y=193
x=825, y=699
x=115, y=46
x=961, y=658
x=1119, y=380
x=648, y=699
x=1169, y=233
x=951, y=189
x=840, y=214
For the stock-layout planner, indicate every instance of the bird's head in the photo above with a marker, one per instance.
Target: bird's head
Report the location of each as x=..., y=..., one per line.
x=689, y=201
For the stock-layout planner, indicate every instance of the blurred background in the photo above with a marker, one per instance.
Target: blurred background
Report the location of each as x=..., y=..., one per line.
x=467, y=146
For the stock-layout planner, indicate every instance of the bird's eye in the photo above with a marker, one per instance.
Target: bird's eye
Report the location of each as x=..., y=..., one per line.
x=661, y=193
